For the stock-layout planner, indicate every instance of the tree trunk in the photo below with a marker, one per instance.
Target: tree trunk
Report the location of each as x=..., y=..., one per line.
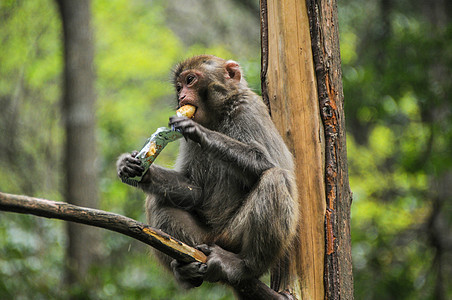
x=327, y=61
x=301, y=78
x=79, y=121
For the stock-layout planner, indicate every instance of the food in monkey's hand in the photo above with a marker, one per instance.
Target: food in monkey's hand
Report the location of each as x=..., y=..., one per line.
x=154, y=145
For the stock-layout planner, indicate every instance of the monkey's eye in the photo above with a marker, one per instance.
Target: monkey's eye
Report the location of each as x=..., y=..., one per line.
x=190, y=79
x=178, y=87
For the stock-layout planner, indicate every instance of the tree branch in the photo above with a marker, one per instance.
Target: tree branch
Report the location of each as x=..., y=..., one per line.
x=94, y=217
x=252, y=289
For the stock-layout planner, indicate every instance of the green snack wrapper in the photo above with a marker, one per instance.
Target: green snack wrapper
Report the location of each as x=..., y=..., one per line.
x=155, y=144
x=151, y=149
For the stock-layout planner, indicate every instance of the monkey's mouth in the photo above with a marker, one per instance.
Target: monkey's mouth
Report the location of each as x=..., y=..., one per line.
x=187, y=109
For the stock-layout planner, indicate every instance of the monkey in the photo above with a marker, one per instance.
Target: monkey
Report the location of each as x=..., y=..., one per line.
x=232, y=192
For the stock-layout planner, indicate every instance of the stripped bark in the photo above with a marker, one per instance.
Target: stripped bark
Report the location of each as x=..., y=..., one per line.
x=325, y=47
x=288, y=81
x=301, y=78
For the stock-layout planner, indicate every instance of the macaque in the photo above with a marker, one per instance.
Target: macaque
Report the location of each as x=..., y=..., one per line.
x=232, y=192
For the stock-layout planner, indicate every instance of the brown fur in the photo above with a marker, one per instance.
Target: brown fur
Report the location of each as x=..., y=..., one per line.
x=233, y=186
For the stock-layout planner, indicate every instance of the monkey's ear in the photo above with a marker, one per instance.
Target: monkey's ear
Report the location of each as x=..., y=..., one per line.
x=233, y=70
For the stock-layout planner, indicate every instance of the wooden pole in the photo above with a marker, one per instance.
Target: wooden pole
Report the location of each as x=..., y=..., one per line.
x=289, y=83
x=302, y=84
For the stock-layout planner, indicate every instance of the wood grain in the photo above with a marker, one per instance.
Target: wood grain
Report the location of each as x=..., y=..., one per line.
x=292, y=92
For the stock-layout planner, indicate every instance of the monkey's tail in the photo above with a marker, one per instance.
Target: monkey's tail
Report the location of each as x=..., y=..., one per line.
x=283, y=274
x=280, y=274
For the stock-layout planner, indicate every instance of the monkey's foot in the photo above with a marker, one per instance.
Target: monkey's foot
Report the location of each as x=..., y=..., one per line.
x=189, y=275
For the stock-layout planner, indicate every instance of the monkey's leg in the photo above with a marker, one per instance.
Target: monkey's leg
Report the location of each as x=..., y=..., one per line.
x=263, y=228
x=185, y=227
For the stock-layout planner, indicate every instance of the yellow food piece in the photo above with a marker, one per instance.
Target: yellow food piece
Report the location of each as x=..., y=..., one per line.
x=152, y=150
x=187, y=111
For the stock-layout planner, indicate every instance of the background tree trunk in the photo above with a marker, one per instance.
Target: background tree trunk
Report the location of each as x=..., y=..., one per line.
x=301, y=79
x=79, y=121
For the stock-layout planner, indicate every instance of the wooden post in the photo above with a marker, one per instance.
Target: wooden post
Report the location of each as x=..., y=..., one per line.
x=301, y=83
x=292, y=93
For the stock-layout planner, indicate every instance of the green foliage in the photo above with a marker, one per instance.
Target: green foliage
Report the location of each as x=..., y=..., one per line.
x=396, y=76
x=31, y=60
x=31, y=257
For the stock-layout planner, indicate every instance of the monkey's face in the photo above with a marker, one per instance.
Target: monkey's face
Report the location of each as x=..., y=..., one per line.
x=207, y=82
x=187, y=89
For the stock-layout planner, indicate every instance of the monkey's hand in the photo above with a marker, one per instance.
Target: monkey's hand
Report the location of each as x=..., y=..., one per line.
x=223, y=265
x=173, y=187
x=189, y=275
x=189, y=128
x=129, y=166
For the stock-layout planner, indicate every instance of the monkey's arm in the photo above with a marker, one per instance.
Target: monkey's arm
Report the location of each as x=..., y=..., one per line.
x=251, y=159
x=172, y=186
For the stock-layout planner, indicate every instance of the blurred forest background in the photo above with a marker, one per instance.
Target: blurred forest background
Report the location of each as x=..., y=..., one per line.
x=397, y=65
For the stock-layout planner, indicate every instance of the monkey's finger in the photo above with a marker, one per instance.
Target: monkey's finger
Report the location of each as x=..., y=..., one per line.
x=124, y=174
x=175, y=264
x=133, y=160
x=175, y=119
x=131, y=164
x=130, y=172
x=204, y=248
x=203, y=268
x=134, y=153
x=185, y=126
x=189, y=271
x=187, y=274
x=180, y=122
x=136, y=168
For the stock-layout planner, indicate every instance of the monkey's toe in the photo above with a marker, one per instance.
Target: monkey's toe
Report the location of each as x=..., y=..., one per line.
x=189, y=275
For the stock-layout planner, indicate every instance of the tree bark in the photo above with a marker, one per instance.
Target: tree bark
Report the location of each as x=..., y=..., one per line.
x=326, y=52
x=78, y=107
x=301, y=78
